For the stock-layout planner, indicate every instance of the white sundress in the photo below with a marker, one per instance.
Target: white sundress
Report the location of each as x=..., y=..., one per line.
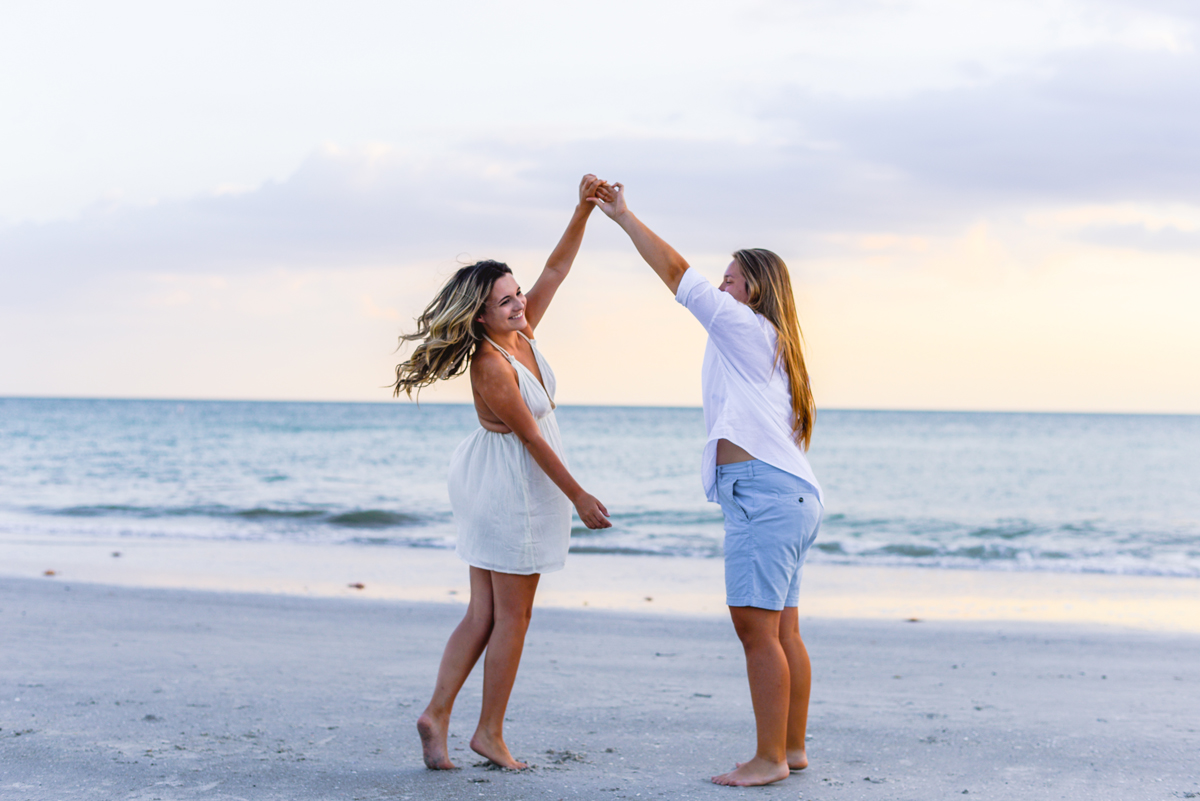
x=510, y=516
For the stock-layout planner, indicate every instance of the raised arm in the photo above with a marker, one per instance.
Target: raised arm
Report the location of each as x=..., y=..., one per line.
x=559, y=264
x=496, y=384
x=663, y=258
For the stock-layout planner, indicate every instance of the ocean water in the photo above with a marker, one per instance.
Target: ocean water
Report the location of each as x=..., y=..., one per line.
x=1105, y=493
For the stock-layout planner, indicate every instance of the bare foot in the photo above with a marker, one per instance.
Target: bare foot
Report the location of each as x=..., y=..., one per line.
x=755, y=772
x=797, y=760
x=494, y=749
x=433, y=743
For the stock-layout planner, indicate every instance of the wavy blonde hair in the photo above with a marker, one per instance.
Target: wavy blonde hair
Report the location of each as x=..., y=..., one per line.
x=769, y=292
x=448, y=331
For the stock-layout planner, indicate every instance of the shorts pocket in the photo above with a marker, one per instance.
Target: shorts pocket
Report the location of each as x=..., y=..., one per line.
x=732, y=502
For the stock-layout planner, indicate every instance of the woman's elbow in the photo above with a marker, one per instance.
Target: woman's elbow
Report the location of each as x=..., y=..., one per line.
x=530, y=439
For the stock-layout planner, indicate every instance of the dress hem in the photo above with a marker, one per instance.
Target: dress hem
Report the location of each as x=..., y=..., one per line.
x=548, y=569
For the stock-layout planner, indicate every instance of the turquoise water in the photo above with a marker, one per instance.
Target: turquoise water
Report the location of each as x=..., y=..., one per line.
x=1108, y=493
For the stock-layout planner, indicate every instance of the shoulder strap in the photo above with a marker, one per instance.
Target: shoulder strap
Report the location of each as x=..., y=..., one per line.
x=497, y=347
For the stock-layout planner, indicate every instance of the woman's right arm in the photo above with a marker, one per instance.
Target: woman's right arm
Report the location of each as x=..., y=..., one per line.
x=663, y=258
x=731, y=325
x=493, y=378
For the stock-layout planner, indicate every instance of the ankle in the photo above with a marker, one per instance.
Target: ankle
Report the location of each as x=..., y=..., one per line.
x=488, y=733
x=435, y=713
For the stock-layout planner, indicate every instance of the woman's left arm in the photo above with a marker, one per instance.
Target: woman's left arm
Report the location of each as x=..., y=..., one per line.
x=559, y=264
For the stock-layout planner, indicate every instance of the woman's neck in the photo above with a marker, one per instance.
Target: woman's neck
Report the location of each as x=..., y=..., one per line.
x=509, y=340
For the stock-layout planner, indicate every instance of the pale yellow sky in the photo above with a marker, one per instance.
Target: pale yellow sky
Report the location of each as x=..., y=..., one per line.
x=996, y=318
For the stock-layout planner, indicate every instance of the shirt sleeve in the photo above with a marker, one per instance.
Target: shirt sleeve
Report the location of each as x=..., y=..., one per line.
x=733, y=328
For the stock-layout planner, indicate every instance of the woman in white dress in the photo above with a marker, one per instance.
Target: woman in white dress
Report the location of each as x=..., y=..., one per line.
x=759, y=412
x=510, y=489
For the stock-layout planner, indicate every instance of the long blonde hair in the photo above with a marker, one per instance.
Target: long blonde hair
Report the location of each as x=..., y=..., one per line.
x=448, y=330
x=769, y=292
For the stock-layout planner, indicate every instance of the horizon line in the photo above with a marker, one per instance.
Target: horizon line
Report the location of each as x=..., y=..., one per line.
x=391, y=401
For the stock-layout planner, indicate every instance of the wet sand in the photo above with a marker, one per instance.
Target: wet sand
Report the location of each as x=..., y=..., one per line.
x=644, y=584
x=133, y=692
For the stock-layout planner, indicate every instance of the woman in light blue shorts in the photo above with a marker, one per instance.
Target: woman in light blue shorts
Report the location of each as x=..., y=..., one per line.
x=759, y=413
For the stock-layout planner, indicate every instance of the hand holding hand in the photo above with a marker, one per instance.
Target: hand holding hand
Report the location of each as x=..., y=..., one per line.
x=610, y=198
x=592, y=512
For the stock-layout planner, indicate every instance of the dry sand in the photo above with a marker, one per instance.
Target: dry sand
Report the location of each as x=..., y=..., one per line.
x=126, y=692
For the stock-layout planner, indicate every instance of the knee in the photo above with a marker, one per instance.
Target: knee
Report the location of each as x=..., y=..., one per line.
x=754, y=638
x=790, y=638
x=523, y=618
x=514, y=618
x=762, y=645
x=480, y=619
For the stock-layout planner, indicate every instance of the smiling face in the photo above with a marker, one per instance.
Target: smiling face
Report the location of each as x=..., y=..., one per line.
x=504, y=309
x=735, y=283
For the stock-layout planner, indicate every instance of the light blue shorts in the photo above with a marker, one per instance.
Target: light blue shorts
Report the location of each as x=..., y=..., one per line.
x=771, y=520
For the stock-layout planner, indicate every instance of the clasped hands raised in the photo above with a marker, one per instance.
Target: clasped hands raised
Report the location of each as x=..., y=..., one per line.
x=608, y=197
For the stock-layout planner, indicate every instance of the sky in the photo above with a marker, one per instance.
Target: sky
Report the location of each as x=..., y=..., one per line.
x=991, y=205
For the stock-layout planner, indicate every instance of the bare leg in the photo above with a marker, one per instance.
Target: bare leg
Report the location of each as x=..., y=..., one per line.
x=801, y=684
x=463, y=650
x=512, y=598
x=770, y=684
x=800, y=669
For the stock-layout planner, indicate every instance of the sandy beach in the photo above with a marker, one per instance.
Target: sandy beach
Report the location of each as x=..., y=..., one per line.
x=137, y=692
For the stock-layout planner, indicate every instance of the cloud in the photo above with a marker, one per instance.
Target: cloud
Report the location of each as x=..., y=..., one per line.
x=1098, y=124
x=1095, y=125
x=340, y=209
x=360, y=204
x=377, y=206
x=1140, y=238
x=1129, y=226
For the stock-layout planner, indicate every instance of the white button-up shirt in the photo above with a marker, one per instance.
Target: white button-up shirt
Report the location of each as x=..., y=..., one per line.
x=747, y=397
